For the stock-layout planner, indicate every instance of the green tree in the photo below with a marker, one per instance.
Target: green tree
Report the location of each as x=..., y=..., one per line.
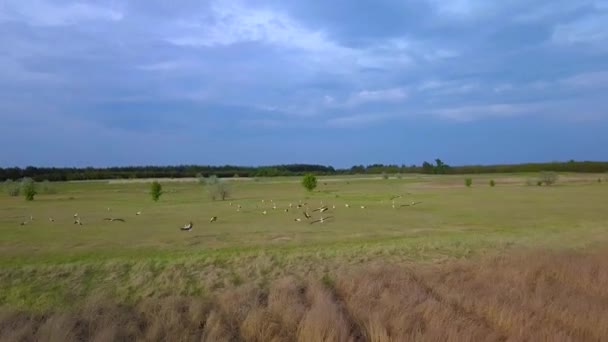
x=468, y=182
x=492, y=183
x=156, y=190
x=28, y=188
x=309, y=182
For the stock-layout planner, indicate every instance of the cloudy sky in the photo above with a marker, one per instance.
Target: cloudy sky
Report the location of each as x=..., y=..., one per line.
x=332, y=82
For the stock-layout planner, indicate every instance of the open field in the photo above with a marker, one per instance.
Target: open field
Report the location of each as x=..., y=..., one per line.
x=481, y=263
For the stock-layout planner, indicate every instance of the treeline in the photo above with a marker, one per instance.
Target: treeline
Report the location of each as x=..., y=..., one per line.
x=183, y=171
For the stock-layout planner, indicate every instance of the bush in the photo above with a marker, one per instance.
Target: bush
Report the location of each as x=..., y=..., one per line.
x=28, y=189
x=217, y=188
x=12, y=188
x=309, y=182
x=548, y=178
x=384, y=175
x=156, y=190
x=399, y=176
x=468, y=182
x=492, y=183
x=539, y=183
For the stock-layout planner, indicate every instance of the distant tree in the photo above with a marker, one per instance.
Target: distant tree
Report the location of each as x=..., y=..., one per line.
x=12, y=188
x=468, y=182
x=492, y=183
x=539, y=183
x=427, y=167
x=384, y=175
x=548, y=177
x=156, y=190
x=309, y=182
x=440, y=167
x=217, y=188
x=28, y=188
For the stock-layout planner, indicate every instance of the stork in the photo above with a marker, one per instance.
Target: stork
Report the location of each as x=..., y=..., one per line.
x=307, y=215
x=187, y=227
x=138, y=213
x=264, y=212
x=411, y=204
x=321, y=220
x=321, y=209
x=347, y=205
x=213, y=219
x=298, y=219
x=51, y=219
x=362, y=207
x=112, y=219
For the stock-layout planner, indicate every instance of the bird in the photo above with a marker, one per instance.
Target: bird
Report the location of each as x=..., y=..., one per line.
x=298, y=219
x=231, y=204
x=109, y=209
x=187, y=227
x=213, y=219
x=31, y=218
x=321, y=220
x=76, y=215
x=274, y=207
x=291, y=205
x=411, y=204
x=307, y=215
x=321, y=209
x=286, y=210
x=393, y=198
x=393, y=205
x=264, y=212
x=347, y=205
x=112, y=219
x=23, y=223
x=51, y=219
x=138, y=213
x=78, y=222
x=362, y=207
x=333, y=206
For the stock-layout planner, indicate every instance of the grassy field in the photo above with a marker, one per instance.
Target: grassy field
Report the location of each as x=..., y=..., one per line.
x=147, y=262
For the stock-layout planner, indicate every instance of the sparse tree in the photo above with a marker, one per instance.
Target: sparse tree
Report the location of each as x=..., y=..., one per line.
x=548, y=177
x=492, y=183
x=12, y=188
x=156, y=190
x=28, y=188
x=309, y=182
x=468, y=182
x=217, y=188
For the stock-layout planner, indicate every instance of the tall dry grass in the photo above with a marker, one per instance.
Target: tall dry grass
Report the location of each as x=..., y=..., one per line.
x=533, y=296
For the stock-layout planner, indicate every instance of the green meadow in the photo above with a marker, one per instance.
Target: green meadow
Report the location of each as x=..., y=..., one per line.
x=57, y=264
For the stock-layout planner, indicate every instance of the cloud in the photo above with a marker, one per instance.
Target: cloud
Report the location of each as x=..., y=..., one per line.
x=46, y=13
x=357, y=120
x=590, y=30
x=381, y=95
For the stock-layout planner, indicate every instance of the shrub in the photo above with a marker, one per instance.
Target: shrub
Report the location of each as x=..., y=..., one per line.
x=384, y=175
x=468, y=182
x=156, y=190
x=539, y=183
x=399, y=176
x=309, y=182
x=28, y=188
x=12, y=188
x=599, y=180
x=530, y=182
x=217, y=188
x=549, y=178
x=492, y=183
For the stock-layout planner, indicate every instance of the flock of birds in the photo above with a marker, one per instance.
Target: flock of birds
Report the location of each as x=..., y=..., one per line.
x=306, y=212
x=309, y=215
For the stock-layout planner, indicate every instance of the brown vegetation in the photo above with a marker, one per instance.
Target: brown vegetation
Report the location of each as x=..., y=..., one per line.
x=532, y=296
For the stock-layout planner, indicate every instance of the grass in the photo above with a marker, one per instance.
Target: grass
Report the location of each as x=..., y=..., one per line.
x=58, y=269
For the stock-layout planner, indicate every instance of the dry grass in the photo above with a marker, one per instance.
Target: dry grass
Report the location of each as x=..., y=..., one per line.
x=530, y=296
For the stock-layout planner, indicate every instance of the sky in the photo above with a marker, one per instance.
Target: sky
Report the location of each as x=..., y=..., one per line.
x=110, y=83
